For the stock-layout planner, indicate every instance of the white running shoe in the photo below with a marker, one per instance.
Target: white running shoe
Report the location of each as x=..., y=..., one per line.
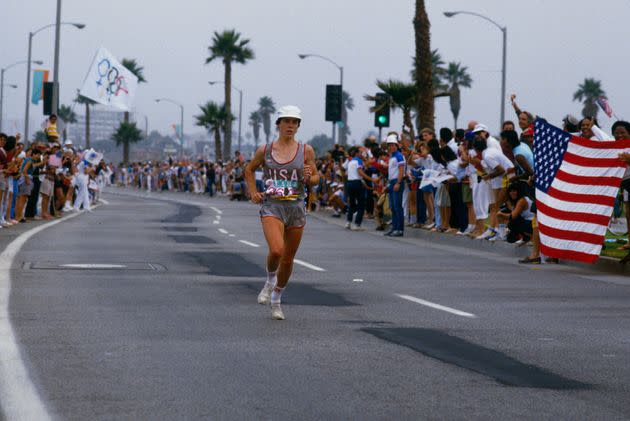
x=276, y=312
x=264, y=297
x=347, y=226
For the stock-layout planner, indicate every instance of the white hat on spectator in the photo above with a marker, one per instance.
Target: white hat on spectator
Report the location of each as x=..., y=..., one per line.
x=481, y=128
x=392, y=138
x=67, y=142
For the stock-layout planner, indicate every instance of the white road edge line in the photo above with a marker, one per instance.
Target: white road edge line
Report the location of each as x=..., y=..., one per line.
x=217, y=210
x=18, y=396
x=436, y=306
x=103, y=201
x=248, y=243
x=222, y=231
x=308, y=265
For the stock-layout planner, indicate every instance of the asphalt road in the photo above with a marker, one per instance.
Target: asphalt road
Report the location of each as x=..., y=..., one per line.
x=377, y=328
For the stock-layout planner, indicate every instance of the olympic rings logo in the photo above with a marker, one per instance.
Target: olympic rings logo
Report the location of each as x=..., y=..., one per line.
x=110, y=81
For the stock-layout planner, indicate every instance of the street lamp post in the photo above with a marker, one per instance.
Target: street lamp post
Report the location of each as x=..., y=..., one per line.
x=504, y=59
x=303, y=56
x=240, y=109
x=55, y=90
x=28, y=70
x=181, y=122
x=38, y=62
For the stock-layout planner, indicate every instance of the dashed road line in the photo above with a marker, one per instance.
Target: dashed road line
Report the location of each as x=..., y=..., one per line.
x=436, y=306
x=249, y=243
x=217, y=210
x=216, y=222
x=357, y=280
x=308, y=265
x=223, y=231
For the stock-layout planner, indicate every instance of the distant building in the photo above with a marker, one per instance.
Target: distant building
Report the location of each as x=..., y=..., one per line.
x=103, y=124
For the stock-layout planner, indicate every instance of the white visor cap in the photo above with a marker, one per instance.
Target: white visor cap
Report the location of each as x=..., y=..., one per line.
x=289, y=111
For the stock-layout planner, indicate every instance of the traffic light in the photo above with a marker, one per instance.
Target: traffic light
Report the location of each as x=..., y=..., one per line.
x=381, y=105
x=333, y=102
x=48, y=94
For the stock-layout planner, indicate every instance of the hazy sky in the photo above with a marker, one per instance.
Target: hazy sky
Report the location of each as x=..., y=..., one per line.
x=552, y=46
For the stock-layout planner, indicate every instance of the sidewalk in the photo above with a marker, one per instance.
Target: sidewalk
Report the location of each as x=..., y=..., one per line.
x=604, y=264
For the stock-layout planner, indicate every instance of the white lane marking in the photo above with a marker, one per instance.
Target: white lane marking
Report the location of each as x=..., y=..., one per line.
x=18, y=396
x=222, y=231
x=308, y=265
x=232, y=235
x=216, y=222
x=248, y=243
x=217, y=217
x=217, y=210
x=92, y=266
x=357, y=280
x=436, y=306
x=103, y=201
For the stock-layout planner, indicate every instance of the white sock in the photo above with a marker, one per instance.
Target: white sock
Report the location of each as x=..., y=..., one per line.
x=276, y=295
x=271, y=280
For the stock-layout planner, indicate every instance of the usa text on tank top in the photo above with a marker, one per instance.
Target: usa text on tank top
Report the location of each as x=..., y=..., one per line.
x=284, y=182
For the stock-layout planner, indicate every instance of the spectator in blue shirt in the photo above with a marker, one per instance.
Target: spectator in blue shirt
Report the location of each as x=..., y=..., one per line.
x=396, y=172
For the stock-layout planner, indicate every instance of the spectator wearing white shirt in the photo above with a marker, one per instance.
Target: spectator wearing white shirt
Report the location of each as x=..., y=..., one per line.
x=356, y=190
x=496, y=167
x=446, y=139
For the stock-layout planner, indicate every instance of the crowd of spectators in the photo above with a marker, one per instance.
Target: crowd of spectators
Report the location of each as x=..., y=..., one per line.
x=43, y=180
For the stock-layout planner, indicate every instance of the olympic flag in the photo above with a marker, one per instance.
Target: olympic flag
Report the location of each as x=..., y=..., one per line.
x=109, y=83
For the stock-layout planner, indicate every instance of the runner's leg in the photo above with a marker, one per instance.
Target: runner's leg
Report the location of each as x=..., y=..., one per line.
x=292, y=239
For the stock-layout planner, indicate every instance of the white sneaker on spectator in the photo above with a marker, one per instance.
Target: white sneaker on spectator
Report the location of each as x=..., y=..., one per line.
x=358, y=228
x=67, y=207
x=487, y=233
x=347, y=226
x=429, y=226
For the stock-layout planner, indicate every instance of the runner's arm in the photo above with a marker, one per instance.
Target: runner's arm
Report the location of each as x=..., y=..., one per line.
x=250, y=178
x=309, y=161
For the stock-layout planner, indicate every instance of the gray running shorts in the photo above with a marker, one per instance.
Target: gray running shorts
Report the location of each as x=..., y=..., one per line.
x=293, y=215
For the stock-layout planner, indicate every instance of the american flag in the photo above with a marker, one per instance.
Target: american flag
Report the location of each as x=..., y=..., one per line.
x=577, y=181
x=605, y=106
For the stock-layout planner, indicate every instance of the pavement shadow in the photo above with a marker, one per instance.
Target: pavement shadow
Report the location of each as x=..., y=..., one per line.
x=185, y=214
x=497, y=365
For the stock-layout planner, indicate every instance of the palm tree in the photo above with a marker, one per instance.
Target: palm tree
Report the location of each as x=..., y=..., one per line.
x=437, y=70
x=214, y=118
x=126, y=134
x=347, y=104
x=255, y=120
x=266, y=108
x=229, y=48
x=133, y=66
x=401, y=95
x=68, y=116
x=423, y=70
x=80, y=99
x=588, y=92
x=456, y=76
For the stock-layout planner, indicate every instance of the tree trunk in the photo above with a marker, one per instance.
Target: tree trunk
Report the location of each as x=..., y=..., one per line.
x=126, y=144
x=217, y=145
x=227, y=146
x=424, y=78
x=407, y=121
x=590, y=109
x=126, y=153
x=455, y=103
x=87, y=125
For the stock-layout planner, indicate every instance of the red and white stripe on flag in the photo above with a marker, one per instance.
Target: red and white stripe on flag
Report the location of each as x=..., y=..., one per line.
x=574, y=212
